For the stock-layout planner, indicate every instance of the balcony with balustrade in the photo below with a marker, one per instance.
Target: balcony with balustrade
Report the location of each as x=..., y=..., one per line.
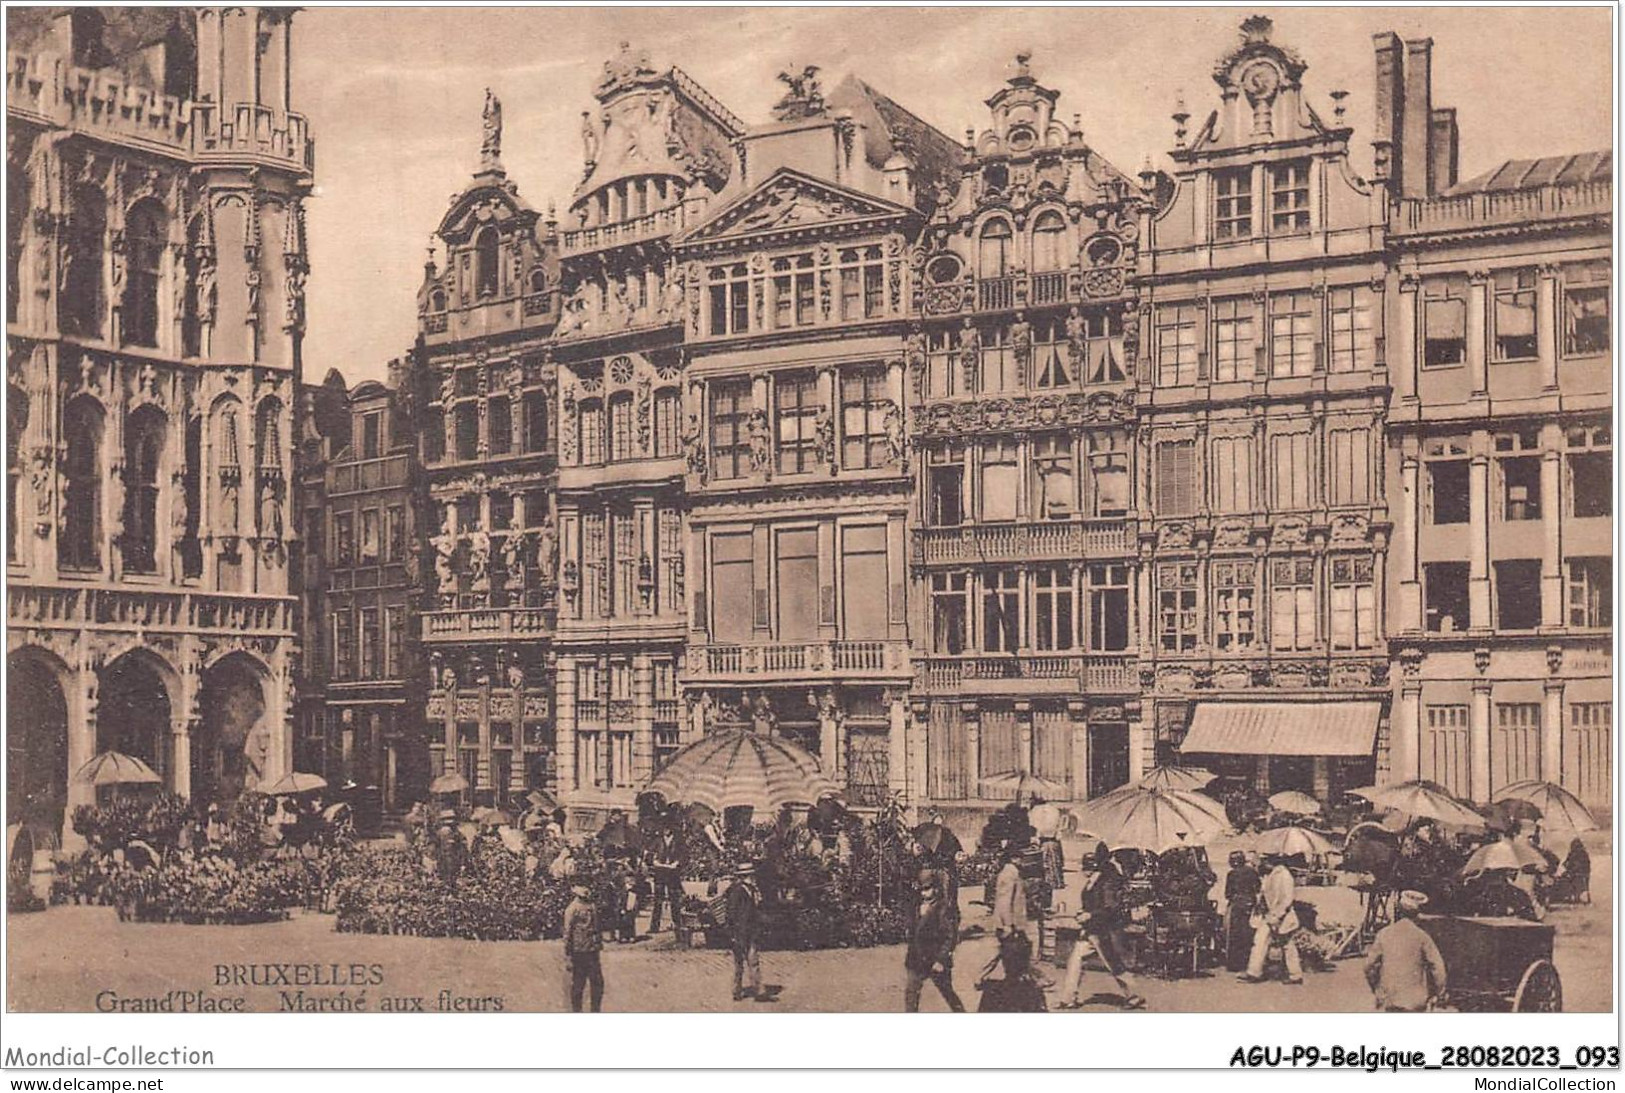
x=66, y=606
x=465, y=624
x=1027, y=673
x=1074, y=540
x=639, y=229
x=1472, y=211
x=1023, y=290
x=800, y=661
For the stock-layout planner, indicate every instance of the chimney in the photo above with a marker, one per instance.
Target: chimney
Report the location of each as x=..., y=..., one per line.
x=1390, y=107
x=1444, y=146
x=1415, y=157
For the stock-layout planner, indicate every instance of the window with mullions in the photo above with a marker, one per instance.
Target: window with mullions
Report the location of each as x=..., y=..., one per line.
x=1176, y=345
x=863, y=284
x=145, y=238
x=1232, y=474
x=1054, y=610
x=1444, y=322
x=1049, y=243
x=1292, y=334
x=1001, y=611
x=796, y=395
x=1051, y=355
x=1000, y=479
x=945, y=478
x=794, y=292
x=943, y=375
x=1353, y=329
x=1291, y=471
x=1514, y=314
x=1591, y=470
x=591, y=413
x=1103, y=347
x=998, y=360
x=1233, y=203
x=1177, y=620
x=1591, y=592
x=1519, y=474
x=1289, y=196
x=622, y=440
x=1585, y=308
x=1108, y=608
x=863, y=418
x=994, y=252
x=1233, y=342
x=730, y=299
x=668, y=411
x=1054, y=485
x=1176, y=477
x=1110, y=488
x=948, y=613
x=730, y=442
x=1354, y=603
x=1292, y=603
x=1235, y=614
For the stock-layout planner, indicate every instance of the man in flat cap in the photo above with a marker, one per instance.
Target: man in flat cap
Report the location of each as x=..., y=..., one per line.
x=1404, y=967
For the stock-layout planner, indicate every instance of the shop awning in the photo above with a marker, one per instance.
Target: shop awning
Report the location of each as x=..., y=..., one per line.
x=1283, y=728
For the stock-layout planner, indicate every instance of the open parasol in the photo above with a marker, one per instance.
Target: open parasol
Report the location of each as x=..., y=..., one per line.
x=1023, y=785
x=1505, y=854
x=294, y=783
x=1151, y=819
x=1289, y=841
x=451, y=782
x=114, y=768
x=537, y=799
x=742, y=769
x=513, y=840
x=1176, y=777
x=1294, y=801
x=1560, y=810
x=1422, y=800
x=1509, y=813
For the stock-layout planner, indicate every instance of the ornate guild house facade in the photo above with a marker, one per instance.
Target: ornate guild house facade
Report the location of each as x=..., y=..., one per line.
x=156, y=266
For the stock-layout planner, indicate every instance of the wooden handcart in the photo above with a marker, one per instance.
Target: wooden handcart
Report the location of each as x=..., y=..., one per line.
x=1497, y=963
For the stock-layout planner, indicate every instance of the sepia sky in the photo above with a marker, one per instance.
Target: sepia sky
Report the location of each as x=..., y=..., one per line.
x=394, y=99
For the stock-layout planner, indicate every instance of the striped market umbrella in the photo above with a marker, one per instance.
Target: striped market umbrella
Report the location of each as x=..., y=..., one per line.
x=1151, y=819
x=1289, y=841
x=1294, y=801
x=1560, y=810
x=1422, y=800
x=742, y=768
x=114, y=768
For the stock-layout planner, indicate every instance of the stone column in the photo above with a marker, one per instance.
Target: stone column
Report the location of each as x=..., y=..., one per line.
x=1478, y=742
x=1478, y=546
x=1405, y=739
x=1551, y=733
x=643, y=728
x=971, y=717
x=1136, y=748
x=897, y=744
x=829, y=733
x=1546, y=327
x=1551, y=544
x=82, y=700
x=1405, y=546
x=1477, y=326
x=1404, y=362
x=918, y=777
x=180, y=755
x=1077, y=712
x=1024, y=736
x=564, y=719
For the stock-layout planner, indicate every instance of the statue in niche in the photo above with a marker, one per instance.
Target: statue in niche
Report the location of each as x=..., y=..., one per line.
x=270, y=512
x=513, y=561
x=547, y=551
x=479, y=558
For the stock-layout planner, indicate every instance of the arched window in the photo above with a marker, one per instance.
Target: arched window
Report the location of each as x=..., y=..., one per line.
x=485, y=262
x=82, y=299
x=995, y=249
x=143, y=457
x=437, y=300
x=191, y=315
x=144, y=234
x=16, y=422
x=80, y=544
x=538, y=281
x=1049, y=243
x=268, y=436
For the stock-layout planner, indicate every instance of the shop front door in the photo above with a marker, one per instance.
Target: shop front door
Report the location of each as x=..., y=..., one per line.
x=1108, y=758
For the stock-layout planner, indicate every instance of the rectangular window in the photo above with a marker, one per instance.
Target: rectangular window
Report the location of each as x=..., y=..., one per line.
x=730, y=299
x=1591, y=592
x=344, y=538
x=620, y=758
x=1176, y=477
x=1291, y=471
x=730, y=439
x=997, y=361
x=394, y=642
x=1350, y=480
x=1054, y=610
x=1353, y=331
x=1051, y=355
x=1444, y=323
x=798, y=584
x=947, y=488
x=1292, y=603
x=863, y=418
x=1103, y=347
x=624, y=526
x=1233, y=203
x=1517, y=594
x=1108, y=608
x=1176, y=345
x=1591, y=470
x=668, y=423
x=1112, y=491
x=1444, y=596
x=793, y=292
x=371, y=643
x=1054, y=487
x=1232, y=474
x=1520, y=476
x=863, y=582
x=589, y=759
x=372, y=428
x=1354, y=604
x=535, y=421
x=395, y=534
x=371, y=537
x=594, y=565
x=1514, y=314
x=468, y=430
x=1447, y=491
x=1292, y=334
x=798, y=408
x=668, y=741
x=343, y=645
x=1001, y=611
x=622, y=440
x=1289, y=196
x=591, y=414
x=1235, y=614
x=942, y=370
x=499, y=424
x=1000, y=480
x=1177, y=620
x=1585, y=308
x=948, y=613
x=1234, y=351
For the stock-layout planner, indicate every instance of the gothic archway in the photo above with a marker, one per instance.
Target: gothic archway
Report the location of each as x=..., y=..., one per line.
x=36, y=741
x=133, y=716
x=232, y=744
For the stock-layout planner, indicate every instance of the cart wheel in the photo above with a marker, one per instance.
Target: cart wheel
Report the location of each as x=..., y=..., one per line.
x=1540, y=990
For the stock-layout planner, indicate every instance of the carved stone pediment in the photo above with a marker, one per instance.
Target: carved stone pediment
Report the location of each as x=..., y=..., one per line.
x=791, y=201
